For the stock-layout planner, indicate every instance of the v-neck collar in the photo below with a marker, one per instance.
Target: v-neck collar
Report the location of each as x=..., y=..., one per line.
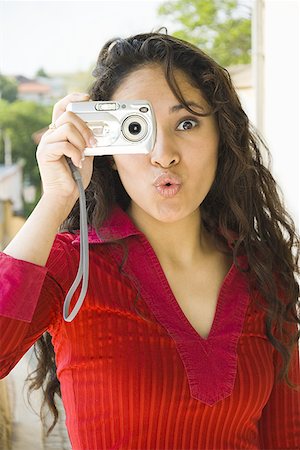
x=211, y=363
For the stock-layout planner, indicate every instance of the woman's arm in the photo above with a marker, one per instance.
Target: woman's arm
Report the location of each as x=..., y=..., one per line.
x=31, y=298
x=34, y=240
x=279, y=426
x=29, y=303
x=33, y=279
x=68, y=138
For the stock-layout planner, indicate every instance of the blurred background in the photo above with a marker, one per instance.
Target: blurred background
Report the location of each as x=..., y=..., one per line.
x=49, y=49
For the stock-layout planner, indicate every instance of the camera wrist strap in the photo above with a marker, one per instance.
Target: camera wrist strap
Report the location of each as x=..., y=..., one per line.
x=83, y=269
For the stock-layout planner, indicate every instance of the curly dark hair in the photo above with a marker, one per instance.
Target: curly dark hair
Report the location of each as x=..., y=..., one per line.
x=244, y=198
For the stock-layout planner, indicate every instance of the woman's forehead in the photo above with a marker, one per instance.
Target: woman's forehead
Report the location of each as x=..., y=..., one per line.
x=151, y=79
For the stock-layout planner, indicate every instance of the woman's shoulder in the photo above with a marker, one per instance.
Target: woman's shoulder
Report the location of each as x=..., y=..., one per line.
x=65, y=238
x=65, y=254
x=63, y=258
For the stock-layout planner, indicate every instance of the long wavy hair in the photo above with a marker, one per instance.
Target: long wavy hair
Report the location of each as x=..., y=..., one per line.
x=244, y=198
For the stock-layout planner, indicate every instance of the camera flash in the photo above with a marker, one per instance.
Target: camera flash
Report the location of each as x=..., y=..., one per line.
x=107, y=106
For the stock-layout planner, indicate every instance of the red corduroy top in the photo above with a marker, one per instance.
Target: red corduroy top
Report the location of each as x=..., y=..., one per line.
x=131, y=383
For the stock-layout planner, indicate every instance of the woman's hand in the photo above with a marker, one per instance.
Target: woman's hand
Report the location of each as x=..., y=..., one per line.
x=69, y=138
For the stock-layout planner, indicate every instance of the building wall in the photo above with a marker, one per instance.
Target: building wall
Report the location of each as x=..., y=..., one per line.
x=5, y=417
x=281, y=92
x=9, y=224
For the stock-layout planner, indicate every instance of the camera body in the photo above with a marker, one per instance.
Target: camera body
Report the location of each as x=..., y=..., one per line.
x=120, y=127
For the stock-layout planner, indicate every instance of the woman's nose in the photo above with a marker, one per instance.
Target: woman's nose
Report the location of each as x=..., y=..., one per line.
x=164, y=153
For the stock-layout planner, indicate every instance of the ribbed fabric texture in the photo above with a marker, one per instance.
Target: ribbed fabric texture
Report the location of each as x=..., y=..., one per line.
x=131, y=383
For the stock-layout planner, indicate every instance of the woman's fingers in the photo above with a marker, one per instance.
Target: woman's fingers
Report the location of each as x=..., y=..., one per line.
x=56, y=150
x=70, y=127
x=67, y=138
x=60, y=116
x=71, y=131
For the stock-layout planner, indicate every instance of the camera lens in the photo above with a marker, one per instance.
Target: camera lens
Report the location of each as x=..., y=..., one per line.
x=134, y=128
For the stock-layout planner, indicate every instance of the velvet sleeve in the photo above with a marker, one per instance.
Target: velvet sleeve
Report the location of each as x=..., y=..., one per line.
x=31, y=296
x=279, y=426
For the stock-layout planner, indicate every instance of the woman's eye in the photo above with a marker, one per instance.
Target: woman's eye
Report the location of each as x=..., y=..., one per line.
x=187, y=124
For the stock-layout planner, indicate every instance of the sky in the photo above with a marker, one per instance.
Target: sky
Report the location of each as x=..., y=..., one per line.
x=66, y=36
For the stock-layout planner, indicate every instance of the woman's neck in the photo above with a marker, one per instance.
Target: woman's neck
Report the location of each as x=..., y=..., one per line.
x=181, y=243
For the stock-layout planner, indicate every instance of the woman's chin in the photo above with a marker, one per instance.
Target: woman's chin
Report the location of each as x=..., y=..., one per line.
x=163, y=213
x=168, y=214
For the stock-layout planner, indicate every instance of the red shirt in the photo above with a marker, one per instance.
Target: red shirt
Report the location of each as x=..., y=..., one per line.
x=130, y=383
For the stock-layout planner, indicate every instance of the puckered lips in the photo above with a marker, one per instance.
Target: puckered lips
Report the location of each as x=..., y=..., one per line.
x=167, y=184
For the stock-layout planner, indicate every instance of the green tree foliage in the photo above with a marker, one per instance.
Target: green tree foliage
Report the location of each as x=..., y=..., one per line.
x=222, y=28
x=20, y=120
x=41, y=73
x=8, y=88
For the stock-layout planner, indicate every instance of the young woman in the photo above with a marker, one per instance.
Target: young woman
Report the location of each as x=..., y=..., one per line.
x=188, y=336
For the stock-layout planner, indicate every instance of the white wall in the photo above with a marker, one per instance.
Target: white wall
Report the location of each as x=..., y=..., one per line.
x=281, y=96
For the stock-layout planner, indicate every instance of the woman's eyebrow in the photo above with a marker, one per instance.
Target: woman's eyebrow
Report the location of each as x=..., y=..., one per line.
x=180, y=106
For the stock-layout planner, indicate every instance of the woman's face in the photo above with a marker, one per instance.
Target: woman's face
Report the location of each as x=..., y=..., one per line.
x=184, y=155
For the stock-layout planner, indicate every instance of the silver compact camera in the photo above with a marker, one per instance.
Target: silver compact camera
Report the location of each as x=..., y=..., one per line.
x=120, y=127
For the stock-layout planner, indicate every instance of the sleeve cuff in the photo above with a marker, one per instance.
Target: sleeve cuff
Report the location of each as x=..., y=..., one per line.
x=21, y=283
